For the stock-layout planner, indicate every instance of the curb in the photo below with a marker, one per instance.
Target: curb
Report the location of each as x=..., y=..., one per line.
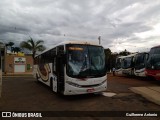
x=148, y=92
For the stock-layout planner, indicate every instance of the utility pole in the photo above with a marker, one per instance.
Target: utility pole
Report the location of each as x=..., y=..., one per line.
x=99, y=38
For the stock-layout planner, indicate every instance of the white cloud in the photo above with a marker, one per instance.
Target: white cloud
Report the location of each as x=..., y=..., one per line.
x=154, y=32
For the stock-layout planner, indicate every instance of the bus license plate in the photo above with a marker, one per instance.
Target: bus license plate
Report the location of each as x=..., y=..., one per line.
x=90, y=90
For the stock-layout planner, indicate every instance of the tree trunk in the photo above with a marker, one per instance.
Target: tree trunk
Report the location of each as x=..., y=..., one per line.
x=33, y=55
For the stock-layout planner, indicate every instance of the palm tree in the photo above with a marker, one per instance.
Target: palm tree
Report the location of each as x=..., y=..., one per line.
x=10, y=44
x=33, y=46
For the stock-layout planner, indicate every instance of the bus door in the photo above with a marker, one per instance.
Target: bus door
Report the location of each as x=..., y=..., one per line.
x=60, y=68
x=132, y=65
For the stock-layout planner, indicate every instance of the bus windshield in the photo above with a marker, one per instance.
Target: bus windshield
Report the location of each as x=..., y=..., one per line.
x=154, y=62
x=154, y=59
x=118, y=63
x=140, y=61
x=126, y=62
x=155, y=50
x=85, y=61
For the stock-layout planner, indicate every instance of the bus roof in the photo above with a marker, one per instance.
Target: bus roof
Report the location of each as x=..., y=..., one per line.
x=121, y=57
x=143, y=52
x=70, y=42
x=79, y=42
x=131, y=55
x=156, y=46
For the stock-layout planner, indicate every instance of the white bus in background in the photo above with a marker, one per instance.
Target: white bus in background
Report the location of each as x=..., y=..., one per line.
x=140, y=63
x=153, y=63
x=72, y=68
x=128, y=63
x=118, y=66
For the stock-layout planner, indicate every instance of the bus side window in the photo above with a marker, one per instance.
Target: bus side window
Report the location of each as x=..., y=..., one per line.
x=47, y=57
x=133, y=62
x=61, y=53
x=43, y=58
x=53, y=59
x=60, y=50
x=54, y=68
x=147, y=56
x=52, y=54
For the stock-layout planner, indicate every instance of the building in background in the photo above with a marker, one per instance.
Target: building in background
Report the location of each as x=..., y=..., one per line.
x=18, y=63
x=13, y=63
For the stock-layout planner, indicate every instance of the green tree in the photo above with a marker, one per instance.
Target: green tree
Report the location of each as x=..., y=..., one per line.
x=124, y=53
x=33, y=46
x=113, y=59
x=108, y=58
x=10, y=44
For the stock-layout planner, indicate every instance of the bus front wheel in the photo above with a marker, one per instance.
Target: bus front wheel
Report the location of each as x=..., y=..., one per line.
x=37, y=78
x=51, y=83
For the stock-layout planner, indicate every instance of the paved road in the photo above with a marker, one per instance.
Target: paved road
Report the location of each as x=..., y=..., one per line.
x=25, y=94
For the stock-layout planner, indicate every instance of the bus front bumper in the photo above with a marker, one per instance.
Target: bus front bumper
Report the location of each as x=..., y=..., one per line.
x=72, y=90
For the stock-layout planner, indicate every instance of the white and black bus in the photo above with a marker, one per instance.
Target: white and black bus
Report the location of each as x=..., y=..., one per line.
x=72, y=68
x=118, y=70
x=128, y=64
x=140, y=64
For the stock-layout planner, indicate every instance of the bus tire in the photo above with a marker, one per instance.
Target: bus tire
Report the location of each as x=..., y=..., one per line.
x=51, y=83
x=37, y=78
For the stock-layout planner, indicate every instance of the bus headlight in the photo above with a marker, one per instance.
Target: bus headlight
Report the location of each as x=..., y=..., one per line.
x=102, y=82
x=152, y=67
x=73, y=84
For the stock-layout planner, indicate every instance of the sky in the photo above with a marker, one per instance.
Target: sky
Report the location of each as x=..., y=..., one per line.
x=122, y=24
